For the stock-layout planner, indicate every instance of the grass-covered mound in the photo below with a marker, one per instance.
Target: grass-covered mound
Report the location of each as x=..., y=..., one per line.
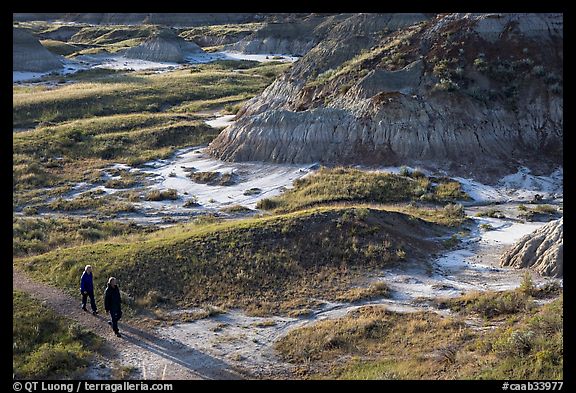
x=46, y=346
x=261, y=263
x=109, y=116
x=339, y=185
x=374, y=343
x=119, y=93
x=31, y=236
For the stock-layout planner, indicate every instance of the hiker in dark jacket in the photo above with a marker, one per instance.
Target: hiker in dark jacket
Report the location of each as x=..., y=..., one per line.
x=112, y=304
x=87, y=289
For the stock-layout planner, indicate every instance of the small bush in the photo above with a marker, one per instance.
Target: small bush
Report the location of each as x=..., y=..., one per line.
x=527, y=285
x=204, y=177
x=267, y=204
x=452, y=242
x=236, y=209
x=454, y=210
x=445, y=84
x=417, y=174
x=493, y=213
x=227, y=179
x=120, y=183
x=157, y=195
x=447, y=191
x=30, y=211
x=252, y=191
x=192, y=202
x=546, y=209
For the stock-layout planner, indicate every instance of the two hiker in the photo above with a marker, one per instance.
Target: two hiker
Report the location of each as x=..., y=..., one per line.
x=87, y=289
x=112, y=301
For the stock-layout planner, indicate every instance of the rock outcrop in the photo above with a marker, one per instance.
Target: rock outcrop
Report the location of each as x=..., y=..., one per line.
x=460, y=91
x=28, y=54
x=541, y=250
x=164, y=45
x=290, y=37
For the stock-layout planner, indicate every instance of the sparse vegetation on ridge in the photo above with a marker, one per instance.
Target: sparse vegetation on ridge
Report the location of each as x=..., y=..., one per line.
x=264, y=263
x=31, y=236
x=91, y=122
x=374, y=343
x=351, y=185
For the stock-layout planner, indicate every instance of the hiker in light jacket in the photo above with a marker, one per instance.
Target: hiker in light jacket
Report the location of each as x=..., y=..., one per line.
x=87, y=289
x=112, y=304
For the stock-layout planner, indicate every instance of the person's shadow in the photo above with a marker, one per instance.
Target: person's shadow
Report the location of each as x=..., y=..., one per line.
x=199, y=363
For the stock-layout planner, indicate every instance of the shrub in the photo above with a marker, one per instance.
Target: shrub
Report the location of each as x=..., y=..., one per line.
x=252, y=191
x=445, y=84
x=157, y=195
x=236, y=209
x=50, y=359
x=447, y=191
x=527, y=285
x=454, y=210
x=267, y=204
x=192, y=202
x=493, y=213
x=418, y=174
x=404, y=171
x=514, y=343
x=30, y=210
x=204, y=177
x=120, y=183
x=546, y=209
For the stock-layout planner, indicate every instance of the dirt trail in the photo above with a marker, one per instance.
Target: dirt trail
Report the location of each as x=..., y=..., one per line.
x=152, y=356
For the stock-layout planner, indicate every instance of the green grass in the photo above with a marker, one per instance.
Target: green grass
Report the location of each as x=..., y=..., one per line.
x=530, y=349
x=131, y=139
x=351, y=185
x=531, y=213
x=161, y=195
x=90, y=201
x=374, y=343
x=204, y=177
x=492, y=212
x=236, y=209
x=46, y=346
x=31, y=236
x=137, y=92
x=112, y=116
x=59, y=47
x=260, y=262
x=490, y=304
x=111, y=34
x=220, y=30
x=373, y=291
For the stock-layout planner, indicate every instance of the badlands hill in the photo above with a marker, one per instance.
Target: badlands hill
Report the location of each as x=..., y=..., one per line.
x=29, y=54
x=162, y=18
x=465, y=92
x=541, y=250
x=165, y=45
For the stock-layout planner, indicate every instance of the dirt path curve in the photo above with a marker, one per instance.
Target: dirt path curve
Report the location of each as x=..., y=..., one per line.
x=153, y=357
